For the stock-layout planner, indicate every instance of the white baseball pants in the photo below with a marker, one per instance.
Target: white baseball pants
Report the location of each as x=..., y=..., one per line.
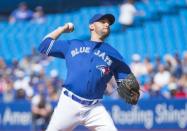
x=68, y=114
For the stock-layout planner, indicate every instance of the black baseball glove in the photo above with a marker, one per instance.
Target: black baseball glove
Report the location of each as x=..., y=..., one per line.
x=128, y=89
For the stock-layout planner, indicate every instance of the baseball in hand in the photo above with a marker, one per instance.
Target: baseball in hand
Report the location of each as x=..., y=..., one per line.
x=71, y=26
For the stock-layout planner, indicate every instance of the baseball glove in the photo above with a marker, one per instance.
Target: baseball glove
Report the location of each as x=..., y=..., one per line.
x=128, y=89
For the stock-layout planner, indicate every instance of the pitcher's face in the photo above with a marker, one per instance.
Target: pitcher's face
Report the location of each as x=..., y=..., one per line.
x=101, y=28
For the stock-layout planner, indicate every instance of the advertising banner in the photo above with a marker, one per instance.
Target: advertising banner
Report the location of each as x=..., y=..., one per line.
x=15, y=116
x=149, y=114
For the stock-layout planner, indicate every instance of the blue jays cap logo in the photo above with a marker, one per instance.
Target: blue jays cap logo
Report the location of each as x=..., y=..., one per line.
x=105, y=70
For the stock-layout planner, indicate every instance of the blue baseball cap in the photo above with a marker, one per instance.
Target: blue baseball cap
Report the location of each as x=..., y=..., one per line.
x=98, y=17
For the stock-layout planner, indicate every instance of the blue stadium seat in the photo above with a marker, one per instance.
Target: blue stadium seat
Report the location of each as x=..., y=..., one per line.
x=166, y=35
x=181, y=3
x=163, y=7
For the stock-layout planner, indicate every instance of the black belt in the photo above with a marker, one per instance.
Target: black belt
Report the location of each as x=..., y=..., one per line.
x=79, y=100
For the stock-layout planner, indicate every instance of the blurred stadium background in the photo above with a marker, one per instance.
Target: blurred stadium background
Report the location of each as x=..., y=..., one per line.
x=155, y=47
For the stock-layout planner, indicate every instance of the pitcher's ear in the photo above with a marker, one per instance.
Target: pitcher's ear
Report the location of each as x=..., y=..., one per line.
x=91, y=26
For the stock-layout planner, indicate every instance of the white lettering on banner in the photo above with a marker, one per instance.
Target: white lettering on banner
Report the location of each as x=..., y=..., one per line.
x=16, y=118
x=168, y=114
x=134, y=116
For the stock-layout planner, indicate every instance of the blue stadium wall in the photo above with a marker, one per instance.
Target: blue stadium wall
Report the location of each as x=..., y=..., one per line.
x=150, y=114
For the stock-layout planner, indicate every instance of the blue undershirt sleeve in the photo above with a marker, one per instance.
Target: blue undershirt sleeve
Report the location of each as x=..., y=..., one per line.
x=121, y=71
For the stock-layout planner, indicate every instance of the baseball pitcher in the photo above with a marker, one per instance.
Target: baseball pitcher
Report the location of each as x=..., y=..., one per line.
x=90, y=65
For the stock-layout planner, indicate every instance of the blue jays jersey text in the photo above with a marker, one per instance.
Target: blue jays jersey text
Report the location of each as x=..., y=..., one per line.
x=90, y=65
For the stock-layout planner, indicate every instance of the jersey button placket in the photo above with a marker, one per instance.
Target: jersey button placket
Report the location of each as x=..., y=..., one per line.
x=91, y=61
x=90, y=69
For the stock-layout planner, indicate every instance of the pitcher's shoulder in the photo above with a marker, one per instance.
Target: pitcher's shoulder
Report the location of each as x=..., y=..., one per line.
x=112, y=52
